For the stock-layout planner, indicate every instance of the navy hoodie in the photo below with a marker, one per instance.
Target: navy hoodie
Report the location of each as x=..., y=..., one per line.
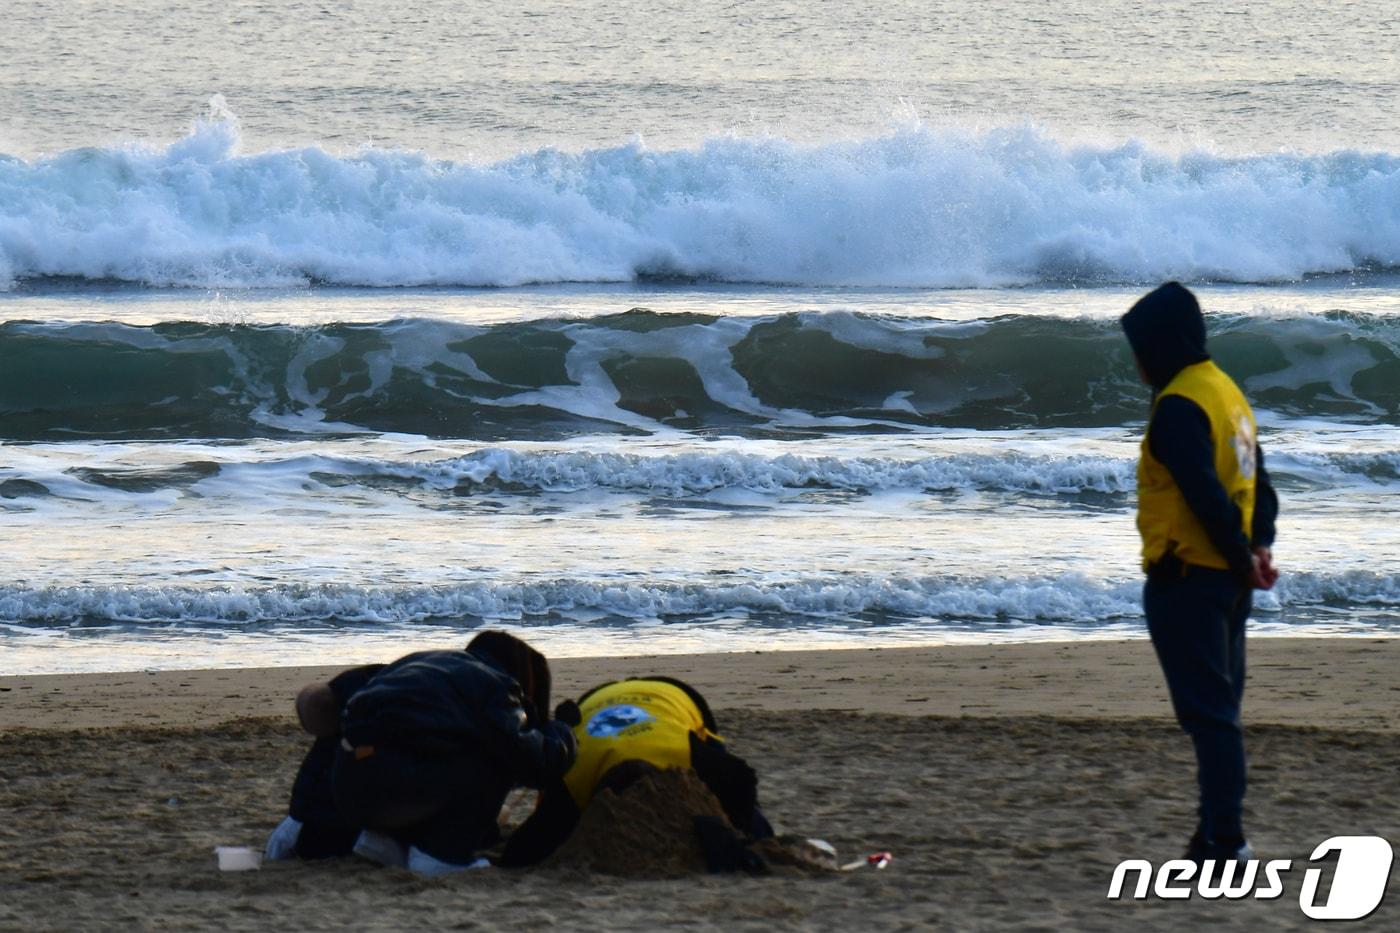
x=442, y=703
x=1168, y=333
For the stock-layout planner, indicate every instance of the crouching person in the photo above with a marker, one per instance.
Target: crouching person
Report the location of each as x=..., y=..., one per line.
x=430, y=746
x=434, y=742
x=313, y=827
x=625, y=730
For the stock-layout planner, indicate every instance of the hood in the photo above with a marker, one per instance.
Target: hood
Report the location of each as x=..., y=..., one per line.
x=516, y=659
x=1167, y=332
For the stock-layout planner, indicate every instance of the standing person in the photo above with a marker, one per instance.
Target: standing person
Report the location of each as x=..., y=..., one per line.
x=1206, y=514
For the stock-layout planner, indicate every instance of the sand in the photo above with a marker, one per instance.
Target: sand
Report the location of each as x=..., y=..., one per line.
x=1007, y=781
x=647, y=830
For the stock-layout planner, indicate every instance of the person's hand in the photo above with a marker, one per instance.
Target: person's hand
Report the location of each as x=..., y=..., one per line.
x=568, y=713
x=1262, y=574
x=559, y=731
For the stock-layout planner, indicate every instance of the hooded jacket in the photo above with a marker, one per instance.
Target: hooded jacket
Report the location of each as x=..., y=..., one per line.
x=1168, y=333
x=324, y=832
x=444, y=703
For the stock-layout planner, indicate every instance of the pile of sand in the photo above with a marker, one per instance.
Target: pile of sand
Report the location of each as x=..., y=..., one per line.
x=648, y=831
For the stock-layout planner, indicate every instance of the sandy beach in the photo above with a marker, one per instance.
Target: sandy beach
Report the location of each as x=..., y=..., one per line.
x=1007, y=781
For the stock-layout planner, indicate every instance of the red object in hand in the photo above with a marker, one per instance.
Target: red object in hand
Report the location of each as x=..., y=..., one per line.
x=879, y=859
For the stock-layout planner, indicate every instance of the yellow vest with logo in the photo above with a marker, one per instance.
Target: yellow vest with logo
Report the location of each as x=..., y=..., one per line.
x=1166, y=523
x=648, y=720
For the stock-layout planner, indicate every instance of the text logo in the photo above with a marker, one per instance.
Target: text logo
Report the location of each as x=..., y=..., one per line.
x=1357, y=884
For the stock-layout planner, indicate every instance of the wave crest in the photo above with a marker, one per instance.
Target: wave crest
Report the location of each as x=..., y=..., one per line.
x=918, y=207
x=795, y=374
x=1064, y=598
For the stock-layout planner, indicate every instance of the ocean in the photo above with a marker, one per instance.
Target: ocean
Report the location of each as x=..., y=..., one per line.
x=332, y=331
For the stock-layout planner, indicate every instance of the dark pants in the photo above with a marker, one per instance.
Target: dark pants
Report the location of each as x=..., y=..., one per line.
x=445, y=806
x=1197, y=625
x=324, y=832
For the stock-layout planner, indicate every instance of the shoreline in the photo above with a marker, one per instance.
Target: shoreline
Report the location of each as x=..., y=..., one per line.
x=1349, y=683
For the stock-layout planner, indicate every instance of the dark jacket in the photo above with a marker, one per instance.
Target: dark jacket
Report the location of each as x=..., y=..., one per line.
x=445, y=703
x=1168, y=333
x=324, y=832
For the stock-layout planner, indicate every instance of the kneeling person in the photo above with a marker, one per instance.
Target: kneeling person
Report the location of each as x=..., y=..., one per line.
x=626, y=729
x=313, y=827
x=428, y=747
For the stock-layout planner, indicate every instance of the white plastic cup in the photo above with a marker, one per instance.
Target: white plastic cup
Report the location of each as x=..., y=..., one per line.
x=238, y=858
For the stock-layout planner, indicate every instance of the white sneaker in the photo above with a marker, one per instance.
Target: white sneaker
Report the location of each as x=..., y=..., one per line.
x=421, y=863
x=380, y=848
x=282, y=844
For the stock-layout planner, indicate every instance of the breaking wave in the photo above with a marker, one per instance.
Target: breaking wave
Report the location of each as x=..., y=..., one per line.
x=921, y=207
x=642, y=372
x=1065, y=598
x=691, y=474
x=508, y=470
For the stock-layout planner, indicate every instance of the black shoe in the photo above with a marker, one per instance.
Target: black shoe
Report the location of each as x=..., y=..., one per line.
x=1202, y=849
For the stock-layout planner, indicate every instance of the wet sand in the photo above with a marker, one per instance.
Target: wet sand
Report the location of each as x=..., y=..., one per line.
x=1007, y=781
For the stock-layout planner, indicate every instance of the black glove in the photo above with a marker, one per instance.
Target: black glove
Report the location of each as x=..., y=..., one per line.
x=568, y=712
x=561, y=733
x=532, y=715
x=725, y=850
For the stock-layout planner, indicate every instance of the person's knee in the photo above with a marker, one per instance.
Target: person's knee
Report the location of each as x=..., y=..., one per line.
x=1221, y=727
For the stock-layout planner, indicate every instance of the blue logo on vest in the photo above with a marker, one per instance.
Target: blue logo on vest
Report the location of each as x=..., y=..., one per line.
x=610, y=720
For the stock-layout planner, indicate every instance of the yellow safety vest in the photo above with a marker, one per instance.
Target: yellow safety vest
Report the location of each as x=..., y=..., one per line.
x=648, y=720
x=1166, y=523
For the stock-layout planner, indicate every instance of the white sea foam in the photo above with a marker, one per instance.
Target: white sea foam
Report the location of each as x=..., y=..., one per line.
x=918, y=207
x=687, y=473
x=1350, y=588
x=156, y=477
x=1063, y=598
x=699, y=473
x=692, y=473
